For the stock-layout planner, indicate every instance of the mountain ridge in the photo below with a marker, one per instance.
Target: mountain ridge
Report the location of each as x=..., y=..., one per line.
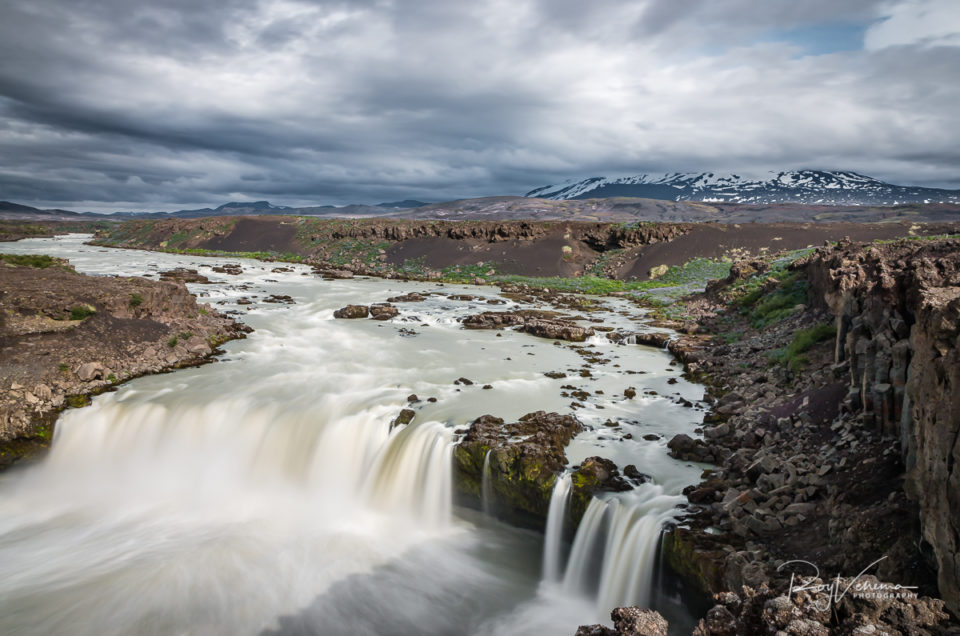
x=811, y=187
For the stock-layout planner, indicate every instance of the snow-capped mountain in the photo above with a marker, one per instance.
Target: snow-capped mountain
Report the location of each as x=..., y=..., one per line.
x=813, y=187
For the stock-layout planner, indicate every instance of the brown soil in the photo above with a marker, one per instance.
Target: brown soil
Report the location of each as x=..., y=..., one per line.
x=713, y=240
x=257, y=235
x=544, y=257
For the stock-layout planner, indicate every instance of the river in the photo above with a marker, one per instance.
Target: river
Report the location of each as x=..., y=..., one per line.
x=266, y=493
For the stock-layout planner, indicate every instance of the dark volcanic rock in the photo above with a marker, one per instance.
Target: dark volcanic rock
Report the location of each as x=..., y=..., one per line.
x=412, y=297
x=184, y=275
x=525, y=459
x=760, y=611
x=382, y=311
x=493, y=320
x=595, y=474
x=405, y=417
x=335, y=273
x=685, y=447
x=352, y=311
x=557, y=330
x=629, y=621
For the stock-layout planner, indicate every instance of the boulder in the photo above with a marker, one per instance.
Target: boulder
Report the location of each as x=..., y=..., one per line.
x=91, y=371
x=352, y=311
x=336, y=273
x=557, y=330
x=629, y=621
x=383, y=311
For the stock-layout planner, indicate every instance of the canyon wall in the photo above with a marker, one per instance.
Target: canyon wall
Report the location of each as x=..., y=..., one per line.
x=897, y=310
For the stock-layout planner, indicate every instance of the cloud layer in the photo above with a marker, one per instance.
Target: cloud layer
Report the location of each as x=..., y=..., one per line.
x=123, y=104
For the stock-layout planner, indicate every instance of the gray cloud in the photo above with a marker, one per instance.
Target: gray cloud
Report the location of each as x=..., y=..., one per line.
x=119, y=104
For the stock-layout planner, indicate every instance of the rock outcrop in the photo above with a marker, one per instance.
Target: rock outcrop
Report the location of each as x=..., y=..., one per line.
x=65, y=336
x=854, y=606
x=897, y=310
x=352, y=312
x=524, y=460
x=536, y=323
x=629, y=621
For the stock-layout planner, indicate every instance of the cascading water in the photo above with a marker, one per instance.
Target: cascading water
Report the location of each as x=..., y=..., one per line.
x=486, y=486
x=553, y=539
x=413, y=473
x=614, y=551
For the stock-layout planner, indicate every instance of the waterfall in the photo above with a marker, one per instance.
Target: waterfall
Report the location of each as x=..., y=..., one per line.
x=414, y=473
x=615, y=548
x=336, y=462
x=486, y=487
x=553, y=541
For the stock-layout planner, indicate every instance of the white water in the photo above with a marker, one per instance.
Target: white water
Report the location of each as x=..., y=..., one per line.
x=266, y=491
x=553, y=538
x=619, y=534
x=486, y=486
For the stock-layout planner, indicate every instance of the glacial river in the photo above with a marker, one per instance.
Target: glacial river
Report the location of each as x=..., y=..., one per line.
x=266, y=494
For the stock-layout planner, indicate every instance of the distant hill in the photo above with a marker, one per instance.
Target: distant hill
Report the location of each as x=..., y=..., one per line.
x=811, y=187
x=405, y=204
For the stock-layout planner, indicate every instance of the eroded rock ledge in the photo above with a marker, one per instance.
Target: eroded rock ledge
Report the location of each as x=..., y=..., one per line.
x=65, y=336
x=841, y=461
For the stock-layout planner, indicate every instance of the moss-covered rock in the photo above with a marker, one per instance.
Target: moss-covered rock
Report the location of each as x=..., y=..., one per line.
x=525, y=458
x=695, y=558
x=593, y=475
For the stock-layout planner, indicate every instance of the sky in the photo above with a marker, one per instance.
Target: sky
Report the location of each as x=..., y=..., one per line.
x=110, y=105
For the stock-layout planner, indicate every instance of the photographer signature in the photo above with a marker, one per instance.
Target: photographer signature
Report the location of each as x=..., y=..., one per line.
x=835, y=591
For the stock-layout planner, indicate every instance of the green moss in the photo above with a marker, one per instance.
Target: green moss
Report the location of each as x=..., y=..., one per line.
x=765, y=308
x=82, y=311
x=39, y=261
x=803, y=341
x=172, y=342
x=78, y=401
x=136, y=300
x=702, y=567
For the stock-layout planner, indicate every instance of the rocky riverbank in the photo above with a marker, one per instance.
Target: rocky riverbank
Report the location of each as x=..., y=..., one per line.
x=834, y=429
x=65, y=336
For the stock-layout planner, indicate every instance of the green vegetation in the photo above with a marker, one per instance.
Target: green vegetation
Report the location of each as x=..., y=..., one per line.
x=185, y=335
x=803, y=341
x=765, y=307
x=63, y=367
x=78, y=401
x=40, y=261
x=82, y=311
x=172, y=342
x=926, y=237
x=136, y=300
x=112, y=378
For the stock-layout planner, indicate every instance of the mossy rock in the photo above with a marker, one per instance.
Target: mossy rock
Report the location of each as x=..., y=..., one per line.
x=694, y=559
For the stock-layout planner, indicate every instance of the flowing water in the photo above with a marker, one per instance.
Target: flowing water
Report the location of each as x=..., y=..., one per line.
x=267, y=494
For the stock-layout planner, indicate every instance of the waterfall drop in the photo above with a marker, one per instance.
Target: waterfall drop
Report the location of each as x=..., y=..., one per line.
x=553, y=540
x=486, y=487
x=615, y=548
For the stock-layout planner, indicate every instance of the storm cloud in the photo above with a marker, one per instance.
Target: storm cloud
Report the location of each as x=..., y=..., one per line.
x=121, y=104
